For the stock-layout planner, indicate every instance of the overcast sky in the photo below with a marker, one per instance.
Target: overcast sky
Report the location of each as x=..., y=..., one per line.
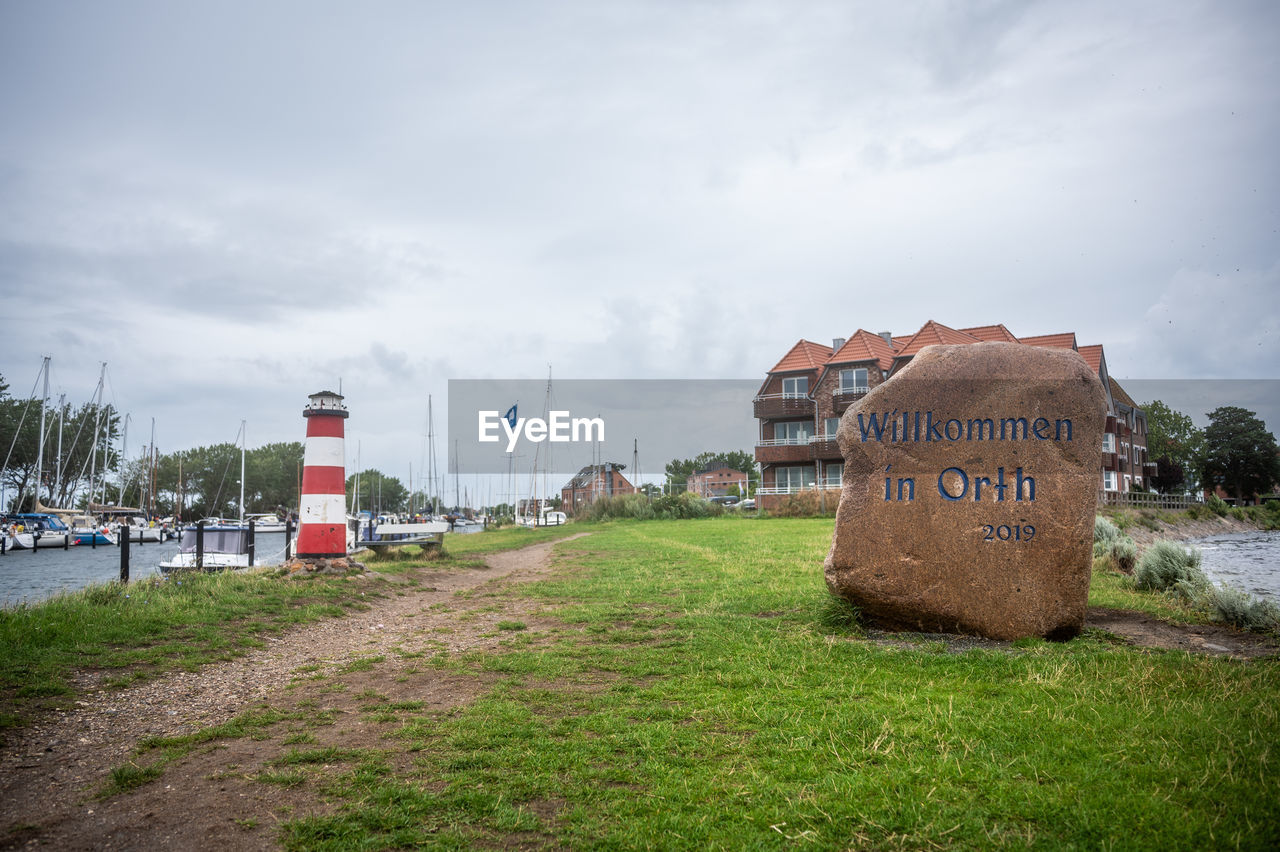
x=237, y=204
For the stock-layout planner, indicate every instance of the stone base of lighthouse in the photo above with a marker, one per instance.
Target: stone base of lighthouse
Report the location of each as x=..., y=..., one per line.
x=340, y=565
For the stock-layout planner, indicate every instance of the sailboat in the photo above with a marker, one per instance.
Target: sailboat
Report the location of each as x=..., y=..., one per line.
x=219, y=545
x=41, y=527
x=536, y=511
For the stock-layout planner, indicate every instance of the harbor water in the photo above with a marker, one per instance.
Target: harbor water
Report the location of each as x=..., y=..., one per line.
x=1249, y=561
x=27, y=576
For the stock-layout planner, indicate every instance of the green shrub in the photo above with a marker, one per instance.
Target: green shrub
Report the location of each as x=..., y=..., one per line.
x=1195, y=512
x=1241, y=609
x=1168, y=567
x=1238, y=513
x=1105, y=533
x=1124, y=554
x=805, y=504
x=635, y=506
x=1217, y=505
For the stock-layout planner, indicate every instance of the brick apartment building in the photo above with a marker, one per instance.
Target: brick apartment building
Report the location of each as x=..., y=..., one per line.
x=591, y=483
x=715, y=481
x=800, y=403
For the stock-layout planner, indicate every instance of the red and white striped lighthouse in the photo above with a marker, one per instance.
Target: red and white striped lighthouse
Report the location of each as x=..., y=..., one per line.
x=322, y=522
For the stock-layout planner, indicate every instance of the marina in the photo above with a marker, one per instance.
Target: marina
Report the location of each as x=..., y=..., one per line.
x=27, y=577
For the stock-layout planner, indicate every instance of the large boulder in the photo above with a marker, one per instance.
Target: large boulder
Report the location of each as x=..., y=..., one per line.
x=969, y=493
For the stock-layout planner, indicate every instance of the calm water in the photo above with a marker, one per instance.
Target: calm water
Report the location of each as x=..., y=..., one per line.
x=28, y=576
x=1250, y=561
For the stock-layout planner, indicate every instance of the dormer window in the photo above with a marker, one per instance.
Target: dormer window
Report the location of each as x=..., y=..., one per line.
x=853, y=380
x=795, y=386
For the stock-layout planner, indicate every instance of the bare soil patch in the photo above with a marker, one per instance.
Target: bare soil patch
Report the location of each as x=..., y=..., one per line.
x=325, y=673
x=1143, y=631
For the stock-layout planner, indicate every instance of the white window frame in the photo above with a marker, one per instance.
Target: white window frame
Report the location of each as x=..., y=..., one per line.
x=804, y=473
x=1109, y=480
x=1108, y=443
x=794, y=387
x=827, y=430
x=833, y=474
x=849, y=380
x=793, y=432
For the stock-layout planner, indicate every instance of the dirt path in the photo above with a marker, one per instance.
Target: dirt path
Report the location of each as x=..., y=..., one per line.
x=50, y=770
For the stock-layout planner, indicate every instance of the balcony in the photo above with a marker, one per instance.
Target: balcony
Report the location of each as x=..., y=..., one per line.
x=825, y=447
x=1108, y=461
x=1150, y=469
x=782, y=451
x=842, y=398
x=773, y=406
x=797, y=489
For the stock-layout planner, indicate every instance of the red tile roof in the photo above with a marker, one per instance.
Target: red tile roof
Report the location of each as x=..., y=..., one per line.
x=1066, y=340
x=1093, y=356
x=805, y=355
x=1119, y=394
x=991, y=332
x=864, y=346
x=932, y=333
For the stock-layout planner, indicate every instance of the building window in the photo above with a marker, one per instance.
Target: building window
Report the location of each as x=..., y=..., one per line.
x=1109, y=480
x=854, y=379
x=1108, y=443
x=796, y=386
x=792, y=432
x=832, y=475
x=793, y=478
x=833, y=424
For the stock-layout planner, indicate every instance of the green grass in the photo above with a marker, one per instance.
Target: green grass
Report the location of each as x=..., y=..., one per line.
x=705, y=694
x=155, y=625
x=701, y=690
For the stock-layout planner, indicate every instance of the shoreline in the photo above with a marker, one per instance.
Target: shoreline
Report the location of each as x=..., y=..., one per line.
x=1184, y=530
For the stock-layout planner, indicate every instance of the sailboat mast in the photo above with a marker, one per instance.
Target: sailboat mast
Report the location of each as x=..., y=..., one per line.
x=243, y=441
x=433, y=472
x=57, y=465
x=124, y=454
x=44, y=400
x=97, y=424
x=151, y=474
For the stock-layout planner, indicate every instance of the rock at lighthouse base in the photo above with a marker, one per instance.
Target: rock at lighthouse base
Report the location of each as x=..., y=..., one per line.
x=969, y=493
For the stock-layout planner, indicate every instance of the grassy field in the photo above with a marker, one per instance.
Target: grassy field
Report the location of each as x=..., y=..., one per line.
x=691, y=687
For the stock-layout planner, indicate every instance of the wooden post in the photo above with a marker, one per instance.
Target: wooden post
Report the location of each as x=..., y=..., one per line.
x=251, y=544
x=124, y=553
x=200, y=544
x=288, y=538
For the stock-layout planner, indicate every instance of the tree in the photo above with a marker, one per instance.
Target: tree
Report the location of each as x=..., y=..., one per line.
x=378, y=492
x=1172, y=435
x=1239, y=453
x=679, y=470
x=1169, y=475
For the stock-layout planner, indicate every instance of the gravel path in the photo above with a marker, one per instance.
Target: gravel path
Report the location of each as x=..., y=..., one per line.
x=50, y=768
